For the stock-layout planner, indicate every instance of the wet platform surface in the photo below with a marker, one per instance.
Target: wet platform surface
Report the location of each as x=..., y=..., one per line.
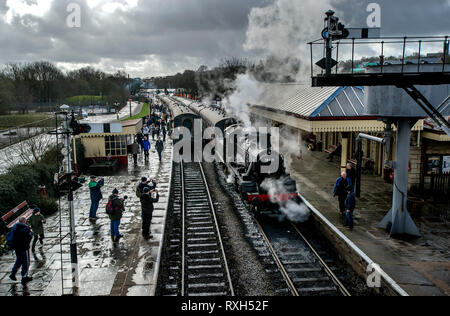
x=420, y=266
x=123, y=269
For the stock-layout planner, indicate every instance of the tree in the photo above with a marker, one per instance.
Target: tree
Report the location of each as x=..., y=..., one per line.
x=6, y=94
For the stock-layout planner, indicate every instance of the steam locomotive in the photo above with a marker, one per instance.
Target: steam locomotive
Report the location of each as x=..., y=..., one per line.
x=266, y=191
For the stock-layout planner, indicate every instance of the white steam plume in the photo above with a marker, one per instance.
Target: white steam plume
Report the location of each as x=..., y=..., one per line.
x=247, y=91
x=295, y=212
x=284, y=28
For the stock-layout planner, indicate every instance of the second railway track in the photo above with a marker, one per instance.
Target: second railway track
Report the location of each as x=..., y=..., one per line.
x=304, y=268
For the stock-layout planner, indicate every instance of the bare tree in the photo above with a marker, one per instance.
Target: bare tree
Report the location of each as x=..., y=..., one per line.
x=28, y=151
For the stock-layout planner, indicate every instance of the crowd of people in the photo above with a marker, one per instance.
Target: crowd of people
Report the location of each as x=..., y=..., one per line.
x=158, y=127
x=25, y=235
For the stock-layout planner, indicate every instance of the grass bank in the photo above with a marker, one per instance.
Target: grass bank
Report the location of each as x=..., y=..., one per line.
x=144, y=112
x=31, y=120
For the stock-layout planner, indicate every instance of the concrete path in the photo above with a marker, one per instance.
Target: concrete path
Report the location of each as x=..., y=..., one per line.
x=125, y=269
x=420, y=266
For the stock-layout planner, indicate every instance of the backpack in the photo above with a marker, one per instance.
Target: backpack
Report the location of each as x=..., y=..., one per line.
x=138, y=191
x=10, y=239
x=109, y=208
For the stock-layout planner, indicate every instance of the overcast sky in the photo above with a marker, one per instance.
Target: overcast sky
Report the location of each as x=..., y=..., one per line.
x=160, y=37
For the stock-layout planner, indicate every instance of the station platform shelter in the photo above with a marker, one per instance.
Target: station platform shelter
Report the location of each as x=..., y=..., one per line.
x=109, y=140
x=322, y=118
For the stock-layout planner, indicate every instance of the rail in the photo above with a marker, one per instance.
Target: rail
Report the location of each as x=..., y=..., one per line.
x=205, y=269
x=307, y=276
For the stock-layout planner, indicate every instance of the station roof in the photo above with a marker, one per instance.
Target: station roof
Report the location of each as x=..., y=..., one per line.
x=314, y=109
x=313, y=103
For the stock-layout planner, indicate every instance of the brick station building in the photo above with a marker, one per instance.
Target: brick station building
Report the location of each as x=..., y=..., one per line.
x=325, y=117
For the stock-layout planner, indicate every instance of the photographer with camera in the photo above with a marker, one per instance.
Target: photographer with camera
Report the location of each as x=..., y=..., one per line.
x=96, y=196
x=147, y=199
x=115, y=208
x=143, y=184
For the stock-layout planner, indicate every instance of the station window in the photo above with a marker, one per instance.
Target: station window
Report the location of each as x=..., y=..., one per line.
x=116, y=146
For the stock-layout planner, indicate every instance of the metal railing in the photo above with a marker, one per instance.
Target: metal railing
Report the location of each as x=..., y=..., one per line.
x=13, y=135
x=402, y=50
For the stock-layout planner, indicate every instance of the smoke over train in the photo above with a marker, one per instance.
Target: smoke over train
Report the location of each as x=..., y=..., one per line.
x=257, y=170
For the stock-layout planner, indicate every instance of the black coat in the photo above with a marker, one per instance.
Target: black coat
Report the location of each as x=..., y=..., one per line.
x=22, y=237
x=159, y=146
x=351, y=173
x=147, y=203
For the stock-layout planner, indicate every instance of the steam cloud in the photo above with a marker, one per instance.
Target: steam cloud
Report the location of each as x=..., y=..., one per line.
x=297, y=213
x=284, y=28
x=247, y=91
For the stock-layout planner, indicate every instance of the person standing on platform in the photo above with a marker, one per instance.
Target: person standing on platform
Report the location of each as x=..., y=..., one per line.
x=164, y=131
x=139, y=138
x=145, y=131
x=160, y=148
x=153, y=130
x=147, y=201
x=146, y=146
x=21, y=238
x=351, y=173
x=340, y=190
x=96, y=196
x=36, y=222
x=135, y=151
x=115, y=209
x=350, y=205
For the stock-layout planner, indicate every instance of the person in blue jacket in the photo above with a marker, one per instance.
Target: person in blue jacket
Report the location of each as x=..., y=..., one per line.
x=22, y=236
x=340, y=190
x=96, y=196
x=146, y=146
x=350, y=205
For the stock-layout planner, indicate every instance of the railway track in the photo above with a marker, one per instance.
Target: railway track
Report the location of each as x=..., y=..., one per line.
x=198, y=264
x=306, y=271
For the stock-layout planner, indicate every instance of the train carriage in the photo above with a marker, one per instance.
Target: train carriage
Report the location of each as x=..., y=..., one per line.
x=264, y=191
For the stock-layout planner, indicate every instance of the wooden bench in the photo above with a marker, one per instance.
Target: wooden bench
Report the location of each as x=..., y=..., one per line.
x=22, y=209
x=331, y=149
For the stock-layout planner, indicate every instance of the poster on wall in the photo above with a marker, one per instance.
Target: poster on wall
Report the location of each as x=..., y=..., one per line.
x=433, y=165
x=446, y=164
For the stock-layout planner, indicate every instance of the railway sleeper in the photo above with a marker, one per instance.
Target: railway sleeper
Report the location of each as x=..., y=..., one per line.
x=205, y=276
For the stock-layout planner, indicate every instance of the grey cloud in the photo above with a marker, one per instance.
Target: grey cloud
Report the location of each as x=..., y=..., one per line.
x=178, y=34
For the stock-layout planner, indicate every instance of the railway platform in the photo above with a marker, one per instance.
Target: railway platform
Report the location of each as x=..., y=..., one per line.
x=419, y=266
x=125, y=269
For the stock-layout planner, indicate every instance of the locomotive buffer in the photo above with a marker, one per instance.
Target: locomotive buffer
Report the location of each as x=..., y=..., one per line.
x=397, y=84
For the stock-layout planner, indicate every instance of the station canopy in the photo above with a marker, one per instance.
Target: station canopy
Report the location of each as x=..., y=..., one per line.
x=312, y=109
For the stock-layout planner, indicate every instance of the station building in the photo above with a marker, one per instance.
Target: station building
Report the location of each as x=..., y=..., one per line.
x=322, y=118
x=109, y=139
